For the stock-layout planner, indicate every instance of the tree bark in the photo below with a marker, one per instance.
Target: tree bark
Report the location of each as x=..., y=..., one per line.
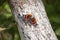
x=42, y=30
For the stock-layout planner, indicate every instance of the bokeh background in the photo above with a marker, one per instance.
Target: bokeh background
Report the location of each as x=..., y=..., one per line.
x=8, y=27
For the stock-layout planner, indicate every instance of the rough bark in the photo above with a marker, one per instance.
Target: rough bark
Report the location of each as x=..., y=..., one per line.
x=41, y=31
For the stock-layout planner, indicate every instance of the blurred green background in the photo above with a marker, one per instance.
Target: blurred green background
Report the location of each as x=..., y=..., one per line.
x=8, y=27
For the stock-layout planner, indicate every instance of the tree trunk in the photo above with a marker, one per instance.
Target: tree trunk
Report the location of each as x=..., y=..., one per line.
x=39, y=28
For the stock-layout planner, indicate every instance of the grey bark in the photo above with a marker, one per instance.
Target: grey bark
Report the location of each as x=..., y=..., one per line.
x=41, y=31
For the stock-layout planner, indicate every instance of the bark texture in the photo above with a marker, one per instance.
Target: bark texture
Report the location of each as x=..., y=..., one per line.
x=41, y=31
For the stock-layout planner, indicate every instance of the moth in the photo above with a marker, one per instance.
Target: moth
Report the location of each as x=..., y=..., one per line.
x=30, y=19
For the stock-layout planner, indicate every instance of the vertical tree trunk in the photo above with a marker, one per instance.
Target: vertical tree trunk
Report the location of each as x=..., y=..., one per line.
x=41, y=30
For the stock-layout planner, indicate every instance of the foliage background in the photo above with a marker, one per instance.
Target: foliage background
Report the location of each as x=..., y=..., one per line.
x=8, y=27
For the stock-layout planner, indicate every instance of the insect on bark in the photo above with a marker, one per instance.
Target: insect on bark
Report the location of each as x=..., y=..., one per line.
x=30, y=19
